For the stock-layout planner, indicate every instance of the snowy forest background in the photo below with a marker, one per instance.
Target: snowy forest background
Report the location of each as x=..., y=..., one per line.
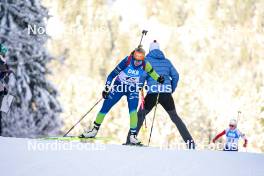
x=216, y=46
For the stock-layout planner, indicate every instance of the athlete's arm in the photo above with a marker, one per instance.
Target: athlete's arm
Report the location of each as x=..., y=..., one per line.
x=243, y=136
x=219, y=135
x=121, y=66
x=151, y=72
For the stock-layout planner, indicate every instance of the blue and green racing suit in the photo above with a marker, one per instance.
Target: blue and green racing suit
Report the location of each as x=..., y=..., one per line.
x=126, y=78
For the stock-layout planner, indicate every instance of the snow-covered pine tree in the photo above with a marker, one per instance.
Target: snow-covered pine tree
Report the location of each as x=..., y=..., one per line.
x=35, y=110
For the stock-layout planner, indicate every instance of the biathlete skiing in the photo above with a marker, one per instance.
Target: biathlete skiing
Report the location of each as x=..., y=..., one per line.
x=232, y=137
x=126, y=78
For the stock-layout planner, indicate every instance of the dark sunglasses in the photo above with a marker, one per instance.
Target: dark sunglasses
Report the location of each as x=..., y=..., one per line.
x=231, y=126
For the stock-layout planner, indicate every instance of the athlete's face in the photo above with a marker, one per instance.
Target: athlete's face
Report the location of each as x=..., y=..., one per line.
x=139, y=56
x=232, y=127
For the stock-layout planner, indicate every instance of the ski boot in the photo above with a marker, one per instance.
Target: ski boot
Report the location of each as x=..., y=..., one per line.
x=91, y=133
x=133, y=140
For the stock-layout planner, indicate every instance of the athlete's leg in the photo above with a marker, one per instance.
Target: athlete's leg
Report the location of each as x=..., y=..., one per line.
x=113, y=98
x=167, y=102
x=149, y=100
x=132, y=99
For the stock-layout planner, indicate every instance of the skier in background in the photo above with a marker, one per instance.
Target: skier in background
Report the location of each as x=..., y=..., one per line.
x=232, y=137
x=127, y=74
x=4, y=72
x=165, y=68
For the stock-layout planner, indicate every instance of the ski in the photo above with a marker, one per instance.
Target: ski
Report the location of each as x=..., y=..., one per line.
x=76, y=138
x=81, y=139
x=134, y=145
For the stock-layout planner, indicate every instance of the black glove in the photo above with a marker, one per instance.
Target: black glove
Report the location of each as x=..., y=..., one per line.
x=161, y=80
x=105, y=92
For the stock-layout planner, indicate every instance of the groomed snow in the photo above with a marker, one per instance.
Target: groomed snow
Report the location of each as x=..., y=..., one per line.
x=50, y=158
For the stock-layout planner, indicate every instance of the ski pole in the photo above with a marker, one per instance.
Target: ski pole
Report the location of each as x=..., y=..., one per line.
x=157, y=101
x=82, y=118
x=144, y=32
x=238, y=115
